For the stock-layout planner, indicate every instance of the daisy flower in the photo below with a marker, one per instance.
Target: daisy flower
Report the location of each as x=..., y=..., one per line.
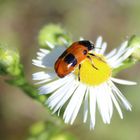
x=96, y=88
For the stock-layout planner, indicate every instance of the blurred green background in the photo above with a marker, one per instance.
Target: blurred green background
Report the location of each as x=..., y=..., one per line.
x=20, y=22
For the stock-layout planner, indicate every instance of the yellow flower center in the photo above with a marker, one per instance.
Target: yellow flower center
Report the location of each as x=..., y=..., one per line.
x=93, y=71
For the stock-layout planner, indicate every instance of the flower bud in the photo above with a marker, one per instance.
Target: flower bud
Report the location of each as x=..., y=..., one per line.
x=134, y=42
x=9, y=61
x=53, y=34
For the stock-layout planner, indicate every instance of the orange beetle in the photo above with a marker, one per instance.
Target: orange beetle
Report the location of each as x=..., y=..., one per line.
x=72, y=57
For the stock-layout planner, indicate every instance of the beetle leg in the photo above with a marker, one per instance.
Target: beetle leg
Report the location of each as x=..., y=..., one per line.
x=92, y=54
x=79, y=72
x=92, y=62
x=97, y=57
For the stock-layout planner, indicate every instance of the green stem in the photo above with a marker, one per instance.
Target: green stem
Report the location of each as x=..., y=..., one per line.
x=27, y=88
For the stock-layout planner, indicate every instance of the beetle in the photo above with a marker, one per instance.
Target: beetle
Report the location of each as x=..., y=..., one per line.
x=72, y=57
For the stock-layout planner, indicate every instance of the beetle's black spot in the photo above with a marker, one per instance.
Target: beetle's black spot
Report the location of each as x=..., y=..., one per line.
x=63, y=54
x=85, y=52
x=74, y=62
x=70, y=59
x=87, y=44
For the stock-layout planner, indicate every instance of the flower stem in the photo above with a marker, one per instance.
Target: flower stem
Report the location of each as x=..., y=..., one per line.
x=27, y=88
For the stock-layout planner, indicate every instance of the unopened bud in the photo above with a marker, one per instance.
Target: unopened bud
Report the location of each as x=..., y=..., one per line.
x=9, y=60
x=53, y=34
x=134, y=43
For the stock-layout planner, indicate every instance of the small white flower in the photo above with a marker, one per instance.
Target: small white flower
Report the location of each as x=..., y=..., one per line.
x=96, y=88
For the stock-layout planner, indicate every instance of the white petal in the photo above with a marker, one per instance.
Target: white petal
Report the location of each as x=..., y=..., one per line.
x=121, y=56
x=66, y=43
x=39, y=58
x=45, y=51
x=123, y=82
x=86, y=105
x=116, y=91
x=40, y=54
x=98, y=44
x=117, y=56
x=109, y=55
x=119, y=53
x=43, y=75
x=65, y=96
x=44, y=81
x=102, y=102
x=79, y=102
x=128, y=53
x=50, y=45
x=73, y=107
x=37, y=63
x=123, y=46
x=52, y=86
x=108, y=98
x=92, y=107
x=56, y=97
x=120, y=60
x=103, y=48
x=116, y=104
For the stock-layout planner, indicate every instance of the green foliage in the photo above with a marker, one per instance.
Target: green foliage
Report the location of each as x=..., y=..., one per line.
x=48, y=131
x=54, y=34
x=9, y=61
x=11, y=67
